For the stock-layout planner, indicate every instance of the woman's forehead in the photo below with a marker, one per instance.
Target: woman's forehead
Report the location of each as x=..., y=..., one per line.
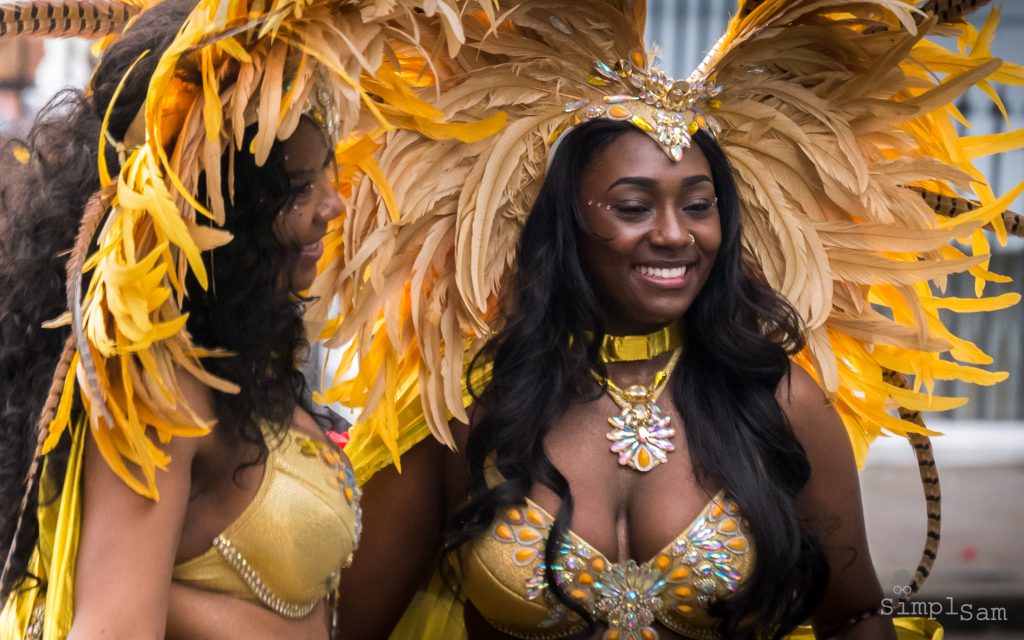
x=634, y=153
x=307, y=149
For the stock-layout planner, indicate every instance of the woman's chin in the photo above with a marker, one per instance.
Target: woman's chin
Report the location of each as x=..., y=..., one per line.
x=302, y=281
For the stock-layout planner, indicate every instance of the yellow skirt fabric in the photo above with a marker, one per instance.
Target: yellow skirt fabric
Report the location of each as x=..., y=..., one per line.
x=53, y=561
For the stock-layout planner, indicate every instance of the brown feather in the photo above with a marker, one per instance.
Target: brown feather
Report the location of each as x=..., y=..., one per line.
x=953, y=206
x=64, y=18
x=952, y=10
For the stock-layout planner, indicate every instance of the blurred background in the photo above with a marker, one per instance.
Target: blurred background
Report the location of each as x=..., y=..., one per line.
x=977, y=587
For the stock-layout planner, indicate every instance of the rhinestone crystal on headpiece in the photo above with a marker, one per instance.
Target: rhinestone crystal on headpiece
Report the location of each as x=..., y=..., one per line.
x=669, y=110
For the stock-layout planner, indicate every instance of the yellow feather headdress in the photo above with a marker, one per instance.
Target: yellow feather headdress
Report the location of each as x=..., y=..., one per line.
x=836, y=116
x=249, y=62
x=234, y=63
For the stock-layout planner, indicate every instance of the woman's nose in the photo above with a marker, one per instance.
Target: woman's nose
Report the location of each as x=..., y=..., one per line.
x=669, y=231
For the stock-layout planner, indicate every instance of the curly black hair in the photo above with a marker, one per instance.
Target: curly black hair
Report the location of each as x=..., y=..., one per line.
x=739, y=335
x=245, y=310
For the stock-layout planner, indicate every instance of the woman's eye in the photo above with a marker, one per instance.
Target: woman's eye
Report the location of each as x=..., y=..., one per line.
x=632, y=208
x=699, y=206
x=302, y=190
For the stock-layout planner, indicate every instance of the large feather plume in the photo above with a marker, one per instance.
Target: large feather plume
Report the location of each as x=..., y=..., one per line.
x=244, y=63
x=832, y=113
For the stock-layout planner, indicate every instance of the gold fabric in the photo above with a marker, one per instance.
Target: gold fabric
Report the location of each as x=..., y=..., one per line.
x=296, y=534
x=53, y=560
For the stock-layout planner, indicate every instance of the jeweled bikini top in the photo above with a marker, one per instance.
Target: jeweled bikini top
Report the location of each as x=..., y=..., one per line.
x=502, y=574
x=287, y=549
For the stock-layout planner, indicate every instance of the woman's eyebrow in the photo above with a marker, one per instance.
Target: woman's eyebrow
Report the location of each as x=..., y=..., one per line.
x=650, y=182
x=305, y=175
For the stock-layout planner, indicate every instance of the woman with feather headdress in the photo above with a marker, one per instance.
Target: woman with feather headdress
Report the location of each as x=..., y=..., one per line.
x=176, y=480
x=658, y=322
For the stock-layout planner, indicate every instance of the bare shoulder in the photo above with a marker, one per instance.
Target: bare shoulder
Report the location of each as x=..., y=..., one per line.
x=813, y=418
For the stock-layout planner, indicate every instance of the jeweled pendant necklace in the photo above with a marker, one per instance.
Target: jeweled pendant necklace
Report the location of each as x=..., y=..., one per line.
x=640, y=433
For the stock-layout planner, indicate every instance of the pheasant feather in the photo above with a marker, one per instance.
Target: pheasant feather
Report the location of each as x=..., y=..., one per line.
x=65, y=18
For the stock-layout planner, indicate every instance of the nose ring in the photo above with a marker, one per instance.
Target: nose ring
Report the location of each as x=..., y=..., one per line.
x=693, y=241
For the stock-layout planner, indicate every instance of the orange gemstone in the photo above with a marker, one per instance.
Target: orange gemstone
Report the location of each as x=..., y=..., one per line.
x=578, y=594
x=737, y=544
x=598, y=564
x=662, y=562
x=643, y=459
x=637, y=58
x=647, y=634
x=682, y=573
x=529, y=536
x=535, y=517
x=683, y=592
x=525, y=556
x=728, y=526
x=684, y=609
x=586, y=578
x=612, y=634
x=717, y=511
x=514, y=516
x=504, y=532
x=619, y=112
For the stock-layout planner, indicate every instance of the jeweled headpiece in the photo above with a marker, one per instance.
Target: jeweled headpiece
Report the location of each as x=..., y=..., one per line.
x=669, y=110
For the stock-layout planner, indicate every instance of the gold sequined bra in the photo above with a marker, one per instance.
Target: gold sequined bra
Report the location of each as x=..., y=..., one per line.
x=287, y=549
x=503, y=576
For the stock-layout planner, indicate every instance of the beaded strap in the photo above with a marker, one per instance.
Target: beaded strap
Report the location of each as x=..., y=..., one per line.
x=252, y=580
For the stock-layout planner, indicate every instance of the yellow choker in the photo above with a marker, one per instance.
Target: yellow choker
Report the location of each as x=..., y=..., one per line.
x=634, y=348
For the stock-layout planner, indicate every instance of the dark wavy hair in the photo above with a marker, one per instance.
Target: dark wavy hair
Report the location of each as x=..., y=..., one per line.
x=244, y=311
x=739, y=336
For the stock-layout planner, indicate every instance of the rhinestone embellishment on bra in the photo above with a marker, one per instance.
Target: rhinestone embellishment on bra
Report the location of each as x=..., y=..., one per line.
x=259, y=588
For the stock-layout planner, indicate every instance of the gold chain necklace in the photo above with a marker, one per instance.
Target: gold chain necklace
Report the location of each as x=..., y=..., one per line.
x=640, y=433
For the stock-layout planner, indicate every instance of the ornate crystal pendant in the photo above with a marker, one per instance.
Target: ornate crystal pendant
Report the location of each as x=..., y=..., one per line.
x=641, y=432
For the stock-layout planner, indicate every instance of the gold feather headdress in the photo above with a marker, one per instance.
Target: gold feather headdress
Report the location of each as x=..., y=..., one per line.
x=251, y=62
x=836, y=116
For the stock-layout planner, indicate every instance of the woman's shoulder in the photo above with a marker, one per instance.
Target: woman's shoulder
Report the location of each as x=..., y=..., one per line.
x=814, y=420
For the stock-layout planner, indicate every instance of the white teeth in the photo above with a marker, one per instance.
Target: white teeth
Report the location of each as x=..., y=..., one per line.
x=658, y=272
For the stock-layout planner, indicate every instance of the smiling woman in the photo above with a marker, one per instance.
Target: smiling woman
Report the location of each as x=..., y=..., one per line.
x=314, y=201
x=644, y=319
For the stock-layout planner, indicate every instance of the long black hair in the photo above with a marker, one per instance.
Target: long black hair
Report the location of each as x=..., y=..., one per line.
x=244, y=311
x=739, y=336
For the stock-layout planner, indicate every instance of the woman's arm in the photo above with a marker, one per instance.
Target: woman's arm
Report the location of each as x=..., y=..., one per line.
x=831, y=502
x=201, y=615
x=127, y=547
x=402, y=519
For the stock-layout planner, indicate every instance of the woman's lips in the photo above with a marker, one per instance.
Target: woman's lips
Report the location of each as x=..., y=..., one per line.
x=312, y=251
x=663, y=277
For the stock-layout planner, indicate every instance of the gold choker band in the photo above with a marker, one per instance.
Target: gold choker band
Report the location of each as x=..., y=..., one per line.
x=635, y=348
